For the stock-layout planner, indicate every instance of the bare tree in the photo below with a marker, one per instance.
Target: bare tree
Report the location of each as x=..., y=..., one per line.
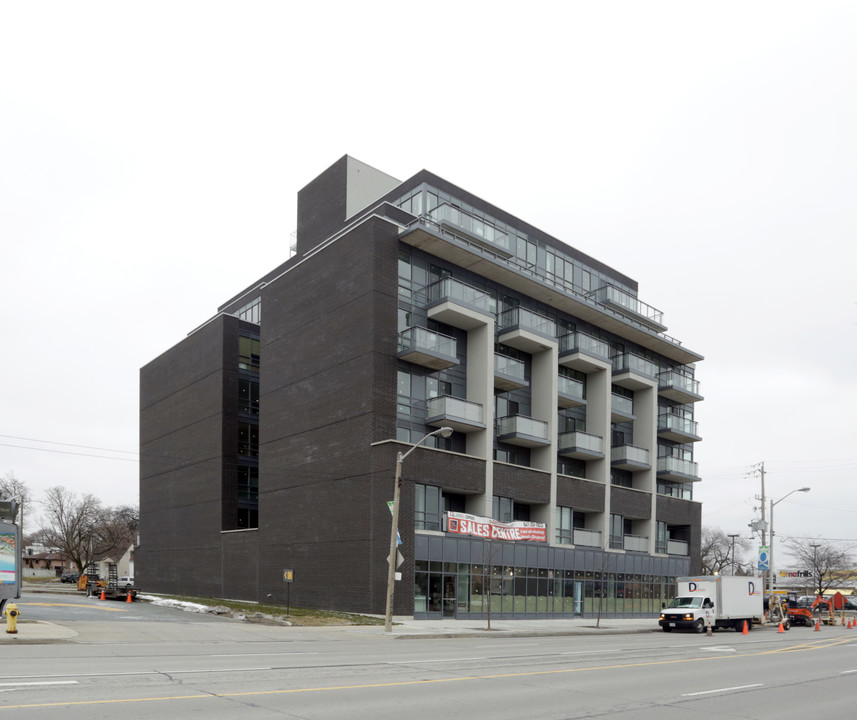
x=829, y=564
x=84, y=530
x=13, y=488
x=719, y=554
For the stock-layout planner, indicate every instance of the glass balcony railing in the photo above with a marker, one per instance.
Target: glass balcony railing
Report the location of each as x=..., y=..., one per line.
x=667, y=422
x=456, y=291
x=448, y=406
x=522, y=425
x=678, y=466
x=571, y=387
x=526, y=320
x=673, y=379
x=472, y=226
x=589, y=538
x=636, y=543
x=677, y=547
x=630, y=454
x=505, y=365
x=612, y=295
x=582, y=441
x=629, y=362
x=581, y=342
x=419, y=338
x=622, y=405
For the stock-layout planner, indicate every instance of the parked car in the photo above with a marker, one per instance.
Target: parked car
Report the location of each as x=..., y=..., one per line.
x=125, y=582
x=69, y=576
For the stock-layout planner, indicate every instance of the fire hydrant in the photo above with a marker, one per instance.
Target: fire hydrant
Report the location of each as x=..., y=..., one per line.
x=11, y=612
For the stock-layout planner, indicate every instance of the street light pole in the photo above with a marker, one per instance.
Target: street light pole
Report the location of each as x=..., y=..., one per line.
x=391, y=558
x=770, y=573
x=733, y=551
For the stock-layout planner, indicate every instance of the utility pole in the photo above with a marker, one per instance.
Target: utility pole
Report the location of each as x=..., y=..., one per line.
x=733, y=551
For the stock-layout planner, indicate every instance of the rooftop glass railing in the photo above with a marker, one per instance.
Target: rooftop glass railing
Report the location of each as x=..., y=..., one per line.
x=610, y=294
x=473, y=226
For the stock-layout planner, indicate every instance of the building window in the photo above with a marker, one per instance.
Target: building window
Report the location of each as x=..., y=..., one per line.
x=571, y=466
x=428, y=507
x=403, y=393
x=437, y=388
x=504, y=509
x=248, y=397
x=617, y=531
x=248, y=497
x=565, y=525
x=662, y=538
x=405, y=272
x=248, y=440
x=622, y=478
x=251, y=312
x=248, y=354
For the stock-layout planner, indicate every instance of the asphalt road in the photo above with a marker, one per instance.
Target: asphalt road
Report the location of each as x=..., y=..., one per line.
x=149, y=662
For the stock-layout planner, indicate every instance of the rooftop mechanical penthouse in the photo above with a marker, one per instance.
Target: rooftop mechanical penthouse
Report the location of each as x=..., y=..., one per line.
x=269, y=435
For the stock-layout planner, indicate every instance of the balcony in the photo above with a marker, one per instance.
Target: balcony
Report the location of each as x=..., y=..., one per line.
x=581, y=445
x=583, y=352
x=628, y=304
x=523, y=431
x=429, y=349
x=677, y=470
x=455, y=303
x=570, y=392
x=508, y=373
x=525, y=330
x=677, y=387
x=460, y=415
x=677, y=547
x=587, y=538
x=470, y=227
x=678, y=429
x=636, y=543
x=621, y=408
x=633, y=372
x=630, y=457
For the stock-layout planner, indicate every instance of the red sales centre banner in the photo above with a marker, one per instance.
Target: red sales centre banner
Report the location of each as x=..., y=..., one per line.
x=464, y=524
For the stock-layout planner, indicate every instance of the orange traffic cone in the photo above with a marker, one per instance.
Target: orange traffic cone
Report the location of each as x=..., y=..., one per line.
x=129, y=598
x=103, y=594
x=818, y=626
x=745, y=631
x=781, y=629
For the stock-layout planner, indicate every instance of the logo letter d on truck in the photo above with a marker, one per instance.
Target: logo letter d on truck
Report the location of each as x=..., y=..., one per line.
x=751, y=588
x=692, y=587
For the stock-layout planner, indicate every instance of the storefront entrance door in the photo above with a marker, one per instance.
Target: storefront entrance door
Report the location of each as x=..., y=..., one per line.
x=449, y=598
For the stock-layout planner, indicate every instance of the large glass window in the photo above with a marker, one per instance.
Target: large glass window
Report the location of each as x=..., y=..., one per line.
x=248, y=354
x=403, y=393
x=248, y=440
x=428, y=507
x=564, y=525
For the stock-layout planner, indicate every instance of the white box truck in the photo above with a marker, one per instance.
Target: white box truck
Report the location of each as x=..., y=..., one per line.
x=718, y=601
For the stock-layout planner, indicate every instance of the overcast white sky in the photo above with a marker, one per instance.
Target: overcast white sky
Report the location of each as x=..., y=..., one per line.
x=150, y=156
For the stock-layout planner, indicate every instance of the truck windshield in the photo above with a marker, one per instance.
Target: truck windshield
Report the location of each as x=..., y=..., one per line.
x=686, y=602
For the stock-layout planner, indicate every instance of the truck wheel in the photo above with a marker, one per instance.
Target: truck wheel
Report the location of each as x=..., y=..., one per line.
x=787, y=625
x=699, y=626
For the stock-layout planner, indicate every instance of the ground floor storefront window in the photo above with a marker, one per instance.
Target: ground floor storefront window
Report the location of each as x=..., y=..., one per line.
x=461, y=590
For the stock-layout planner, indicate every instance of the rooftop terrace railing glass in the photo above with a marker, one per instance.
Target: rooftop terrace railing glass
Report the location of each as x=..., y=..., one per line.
x=445, y=217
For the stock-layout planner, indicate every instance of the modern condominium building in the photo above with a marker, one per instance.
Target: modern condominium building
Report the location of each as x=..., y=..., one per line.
x=270, y=434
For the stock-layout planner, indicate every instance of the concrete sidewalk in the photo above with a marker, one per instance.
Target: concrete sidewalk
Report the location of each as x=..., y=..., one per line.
x=41, y=632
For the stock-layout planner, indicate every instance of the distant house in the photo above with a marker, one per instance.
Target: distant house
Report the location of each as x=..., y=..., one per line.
x=38, y=561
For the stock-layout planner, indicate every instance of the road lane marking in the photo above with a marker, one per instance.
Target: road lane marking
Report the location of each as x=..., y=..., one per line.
x=721, y=690
x=76, y=605
x=51, y=682
x=592, y=652
x=848, y=672
x=405, y=683
x=719, y=648
x=413, y=662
